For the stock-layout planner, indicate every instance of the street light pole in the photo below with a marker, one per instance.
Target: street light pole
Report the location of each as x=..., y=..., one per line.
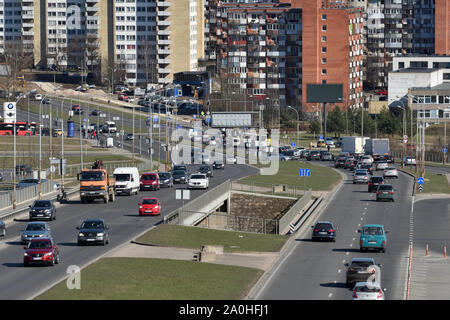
x=298, y=120
x=14, y=168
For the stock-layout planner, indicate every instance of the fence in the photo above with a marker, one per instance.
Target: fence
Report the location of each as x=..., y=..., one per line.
x=25, y=194
x=430, y=156
x=300, y=204
x=268, y=188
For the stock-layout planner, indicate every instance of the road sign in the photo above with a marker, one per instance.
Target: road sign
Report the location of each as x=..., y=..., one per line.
x=208, y=120
x=420, y=188
x=444, y=150
x=320, y=137
x=405, y=137
x=305, y=172
x=194, y=116
x=116, y=118
x=84, y=120
x=182, y=194
x=179, y=127
x=420, y=180
x=293, y=144
x=155, y=119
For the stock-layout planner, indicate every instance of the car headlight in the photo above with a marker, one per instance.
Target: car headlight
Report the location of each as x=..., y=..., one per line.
x=100, y=234
x=81, y=234
x=25, y=236
x=25, y=254
x=140, y=207
x=47, y=211
x=41, y=235
x=48, y=254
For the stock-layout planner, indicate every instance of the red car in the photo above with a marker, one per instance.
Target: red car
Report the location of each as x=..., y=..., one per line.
x=123, y=97
x=149, y=181
x=149, y=206
x=42, y=251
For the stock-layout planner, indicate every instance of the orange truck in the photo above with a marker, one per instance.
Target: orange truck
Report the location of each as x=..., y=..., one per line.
x=95, y=184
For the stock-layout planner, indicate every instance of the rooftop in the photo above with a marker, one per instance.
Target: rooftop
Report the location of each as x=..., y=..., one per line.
x=415, y=70
x=445, y=86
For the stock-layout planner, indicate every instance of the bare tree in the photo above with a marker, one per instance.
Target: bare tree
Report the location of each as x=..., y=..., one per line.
x=16, y=58
x=147, y=55
x=58, y=53
x=92, y=51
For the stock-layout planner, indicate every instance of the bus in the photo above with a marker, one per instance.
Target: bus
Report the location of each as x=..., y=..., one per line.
x=22, y=129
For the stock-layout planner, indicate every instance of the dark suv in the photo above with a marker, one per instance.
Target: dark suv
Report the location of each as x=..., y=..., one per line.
x=206, y=169
x=340, y=162
x=359, y=270
x=93, y=231
x=374, y=182
x=42, y=209
x=324, y=230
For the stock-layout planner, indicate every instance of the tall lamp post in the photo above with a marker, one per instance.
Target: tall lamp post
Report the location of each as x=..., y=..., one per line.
x=403, y=131
x=40, y=146
x=298, y=121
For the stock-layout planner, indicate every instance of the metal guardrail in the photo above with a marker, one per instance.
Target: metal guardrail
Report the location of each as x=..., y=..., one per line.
x=298, y=206
x=179, y=215
x=306, y=214
x=25, y=194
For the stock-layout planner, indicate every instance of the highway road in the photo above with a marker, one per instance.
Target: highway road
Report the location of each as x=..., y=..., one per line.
x=121, y=216
x=316, y=270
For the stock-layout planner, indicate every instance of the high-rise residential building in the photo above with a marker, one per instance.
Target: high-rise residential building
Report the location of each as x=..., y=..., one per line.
x=442, y=29
x=332, y=50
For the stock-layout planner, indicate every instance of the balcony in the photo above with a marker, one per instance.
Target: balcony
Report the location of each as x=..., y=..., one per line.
x=164, y=80
x=164, y=13
x=92, y=9
x=163, y=61
x=163, y=42
x=163, y=23
x=163, y=51
x=166, y=70
x=28, y=24
x=163, y=4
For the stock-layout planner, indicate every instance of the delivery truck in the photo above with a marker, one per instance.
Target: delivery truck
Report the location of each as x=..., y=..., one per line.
x=376, y=147
x=353, y=144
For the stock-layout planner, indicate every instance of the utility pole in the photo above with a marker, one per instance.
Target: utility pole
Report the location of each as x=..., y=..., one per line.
x=167, y=143
x=50, y=138
x=40, y=148
x=62, y=147
x=14, y=169
x=132, y=142
x=159, y=138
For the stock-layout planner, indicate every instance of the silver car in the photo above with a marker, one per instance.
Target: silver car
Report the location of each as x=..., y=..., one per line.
x=35, y=230
x=381, y=165
x=390, y=172
x=368, y=291
x=361, y=176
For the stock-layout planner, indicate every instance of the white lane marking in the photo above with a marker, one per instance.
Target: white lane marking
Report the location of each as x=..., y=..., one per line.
x=351, y=245
x=330, y=295
x=347, y=253
x=339, y=271
x=353, y=239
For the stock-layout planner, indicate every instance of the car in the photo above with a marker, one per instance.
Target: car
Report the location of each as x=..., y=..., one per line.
x=323, y=230
x=359, y=270
x=367, y=291
x=388, y=158
x=284, y=157
x=198, y=180
x=149, y=181
x=321, y=143
x=373, y=237
x=340, y=162
x=93, y=231
x=218, y=165
x=339, y=142
x=390, y=172
x=179, y=176
x=348, y=162
x=360, y=176
x=23, y=169
x=42, y=209
x=180, y=167
x=2, y=228
x=381, y=165
x=368, y=167
x=149, y=206
x=165, y=179
x=409, y=161
x=46, y=101
x=230, y=159
x=326, y=156
x=42, y=251
x=290, y=154
x=77, y=109
x=374, y=182
x=385, y=192
x=206, y=169
x=123, y=97
x=329, y=142
x=367, y=159
x=27, y=183
x=38, y=97
x=313, y=155
x=298, y=152
x=353, y=165
x=95, y=112
x=130, y=136
x=35, y=230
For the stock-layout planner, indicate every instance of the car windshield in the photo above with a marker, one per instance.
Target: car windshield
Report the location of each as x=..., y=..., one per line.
x=29, y=181
x=373, y=231
x=179, y=173
x=323, y=226
x=385, y=187
x=40, y=244
x=164, y=175
x=148, y=177
x=289, y=153
x=361, y=264
x=122, y=176
x=197, y=176
x=360, y=173
x=42, y=204
x=92, y=225
x=391, y=168
x=149, y=201
x=91, y=176
x=377, y=179
x=204, y=168
x=179, y=168
x=35, y=227
x=366, y=288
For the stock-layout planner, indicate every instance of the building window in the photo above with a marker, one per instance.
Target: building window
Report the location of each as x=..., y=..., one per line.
x=324, y=39
x=324, y=28
x=324, y=81
x=324, y=17
x=324, y=49
x=401, y=65
x=324, y=60
x=324, y=72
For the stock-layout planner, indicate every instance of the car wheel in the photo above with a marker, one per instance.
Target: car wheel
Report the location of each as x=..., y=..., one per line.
x=26, y=264
x=392, y=200
x=104, y=243
x=57, y=259
x=79, y=243
x=361, y=250
x=4, y=233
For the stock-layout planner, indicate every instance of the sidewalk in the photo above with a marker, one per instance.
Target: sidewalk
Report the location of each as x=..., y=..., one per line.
x=255, y=260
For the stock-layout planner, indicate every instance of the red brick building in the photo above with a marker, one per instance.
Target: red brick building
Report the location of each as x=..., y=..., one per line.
x=442, y=27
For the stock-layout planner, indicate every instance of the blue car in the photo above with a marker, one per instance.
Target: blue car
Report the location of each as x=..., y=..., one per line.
x=373, y=237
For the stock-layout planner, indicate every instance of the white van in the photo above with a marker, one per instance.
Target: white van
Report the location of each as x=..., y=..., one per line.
x=110, y=127
x=127, y=180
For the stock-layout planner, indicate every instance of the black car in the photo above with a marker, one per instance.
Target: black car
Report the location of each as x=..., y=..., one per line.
x=218, y=165
x=46, y=101
x=180, y=167
x=93, y=231
x=374, y=182
x=2, y=228
x=313, y=155
x=323, y=230
x=179, y=176
x=165, y=179
x=95, y=112
x=340, y=162
x=42, y=209
x=206, y=169
x=359, y=270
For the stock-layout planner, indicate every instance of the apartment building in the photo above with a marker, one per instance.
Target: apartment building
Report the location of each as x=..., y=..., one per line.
x=11, y=22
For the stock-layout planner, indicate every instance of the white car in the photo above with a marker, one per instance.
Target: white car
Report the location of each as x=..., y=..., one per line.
x=231, y=159
x=198, y=181
x=367, y=291
x=38, y=97
x=390, y=172
x=407, y=161
x=381, y=165
x=366, y=159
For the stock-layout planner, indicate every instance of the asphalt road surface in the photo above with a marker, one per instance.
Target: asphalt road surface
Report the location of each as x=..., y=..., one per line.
x=316, y=270
x=121, y=216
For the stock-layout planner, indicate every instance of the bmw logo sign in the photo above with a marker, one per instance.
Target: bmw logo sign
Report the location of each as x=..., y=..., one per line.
x=10, y=106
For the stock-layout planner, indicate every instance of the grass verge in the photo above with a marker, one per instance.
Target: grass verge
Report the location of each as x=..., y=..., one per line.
x=157, y=279
x=434, y=183
x=194, y=237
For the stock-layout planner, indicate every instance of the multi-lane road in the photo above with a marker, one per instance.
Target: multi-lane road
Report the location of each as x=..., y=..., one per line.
x=121, y=216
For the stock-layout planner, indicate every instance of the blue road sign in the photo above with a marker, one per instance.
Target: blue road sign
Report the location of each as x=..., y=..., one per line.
x=194, y=116
x=420, y=180
x=178, y=92
x=305, y=172
x=208, y=120
x=179, y=127
x=320, y=137
x=293, y=144
x=444, y=150
x=155, y=119
x=149, y=118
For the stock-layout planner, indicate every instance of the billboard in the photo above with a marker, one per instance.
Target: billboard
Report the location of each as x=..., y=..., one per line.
x=323, y=93
x=231, y=119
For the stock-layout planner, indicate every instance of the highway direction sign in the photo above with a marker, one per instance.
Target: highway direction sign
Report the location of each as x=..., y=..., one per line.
x=305, y=172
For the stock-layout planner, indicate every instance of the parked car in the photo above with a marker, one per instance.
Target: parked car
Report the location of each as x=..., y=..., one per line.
x=198, y=180
x=374, y=182
x=385, y=192
x=42, y=209
x=390, y=172
x=373, y=237
x=179, y=176
x=149, y=181
x=165, y=179
x=38, y=97
x=368, y=291
x=149, y=206
x=359, y=270
x=93, y=231
x=2, y=228
x=35, y=230
x=284, y=157
x=321, y=144
x=323, y=230
x=42, y=251
x=206, y=169
x=360, y=176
